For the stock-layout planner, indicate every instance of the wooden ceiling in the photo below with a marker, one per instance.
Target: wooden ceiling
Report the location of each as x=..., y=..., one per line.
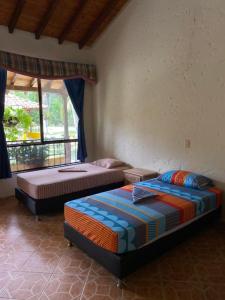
x=78, y=21
x=20, y=82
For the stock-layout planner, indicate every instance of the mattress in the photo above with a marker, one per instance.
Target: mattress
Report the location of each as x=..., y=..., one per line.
x=111, y=220
x=50, y=183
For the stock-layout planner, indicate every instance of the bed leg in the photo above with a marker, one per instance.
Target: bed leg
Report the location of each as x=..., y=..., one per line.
x=119, y=283
x=37, y=218
x=69, y=244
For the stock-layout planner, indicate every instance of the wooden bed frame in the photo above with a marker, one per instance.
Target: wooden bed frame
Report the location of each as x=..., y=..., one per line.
x=122, y=265
x=42, y=206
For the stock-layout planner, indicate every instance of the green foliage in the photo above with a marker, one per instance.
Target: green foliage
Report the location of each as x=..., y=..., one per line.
x=54, y=113
x=16, y=122
x=30, y=155
x=32, y=96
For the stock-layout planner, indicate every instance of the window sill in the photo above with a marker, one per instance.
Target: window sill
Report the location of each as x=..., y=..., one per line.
x=44, y=168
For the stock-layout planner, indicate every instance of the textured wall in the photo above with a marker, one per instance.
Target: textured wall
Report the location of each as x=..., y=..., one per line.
x=161, y=69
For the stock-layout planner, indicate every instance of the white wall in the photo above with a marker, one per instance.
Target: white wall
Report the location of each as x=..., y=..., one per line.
x=24, y=43
x=7, y=187
x=161, y=70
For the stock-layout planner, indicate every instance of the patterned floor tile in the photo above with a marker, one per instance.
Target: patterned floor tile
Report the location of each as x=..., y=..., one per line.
x=210, y=271
x=13, y=261
x=64, y=287
x=181, y=290
x=73, y=261
x=19, y=244
x=21, y=285
x=214, y=291
x=179, y=268
x=44, y=262
x=101, y=288
x=153, y=290
x=100, y=285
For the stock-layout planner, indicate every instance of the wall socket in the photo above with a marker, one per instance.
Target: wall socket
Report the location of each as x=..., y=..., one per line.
x=187, y=143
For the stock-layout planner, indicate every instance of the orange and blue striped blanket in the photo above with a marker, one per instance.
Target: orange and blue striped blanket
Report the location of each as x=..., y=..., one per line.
x=111, y=220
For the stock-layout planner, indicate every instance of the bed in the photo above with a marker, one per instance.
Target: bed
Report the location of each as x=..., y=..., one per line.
x=47, y=190
x=122, y=235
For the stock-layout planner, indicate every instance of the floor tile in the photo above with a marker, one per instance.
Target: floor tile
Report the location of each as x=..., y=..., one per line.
x=153, y=290
x=182, y=290
x=21, y=285
x=42, y=261
x=177, y=269
x=209, y=271
x=64, y=287
x=13, y=261
x=73, y=261
x=99, y=288
x=214, y=291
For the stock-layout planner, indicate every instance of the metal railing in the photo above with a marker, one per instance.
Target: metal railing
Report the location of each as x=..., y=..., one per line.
x=38, y=155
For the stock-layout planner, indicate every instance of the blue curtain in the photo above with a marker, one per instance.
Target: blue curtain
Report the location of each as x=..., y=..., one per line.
x=5, y=171
x=75, y=88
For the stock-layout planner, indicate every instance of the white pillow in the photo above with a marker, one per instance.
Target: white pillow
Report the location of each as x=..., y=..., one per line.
x=108, y=163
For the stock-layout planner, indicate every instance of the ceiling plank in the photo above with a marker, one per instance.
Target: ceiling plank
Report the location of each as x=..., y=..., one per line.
x=46, y=85
x=47, y=16
x=16, y=14
x=21, y=88
x=32, y=82
x=12, y=82
x=97, y=23
x=71, y=21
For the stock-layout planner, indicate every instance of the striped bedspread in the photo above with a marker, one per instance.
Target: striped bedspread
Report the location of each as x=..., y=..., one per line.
x=112, y=221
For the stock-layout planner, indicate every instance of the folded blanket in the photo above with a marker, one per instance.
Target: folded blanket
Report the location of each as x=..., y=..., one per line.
x=139, y=194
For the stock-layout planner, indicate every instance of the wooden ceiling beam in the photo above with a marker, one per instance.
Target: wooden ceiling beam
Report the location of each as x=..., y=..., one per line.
x=97, y=23
x=71, y=21
x=16, y=14
x=47, y=16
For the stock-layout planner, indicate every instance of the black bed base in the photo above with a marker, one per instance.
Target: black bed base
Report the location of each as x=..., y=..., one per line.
x=42, y=206
x=122, y=265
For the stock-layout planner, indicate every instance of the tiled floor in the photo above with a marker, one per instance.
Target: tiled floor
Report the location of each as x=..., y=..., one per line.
x=35, y=263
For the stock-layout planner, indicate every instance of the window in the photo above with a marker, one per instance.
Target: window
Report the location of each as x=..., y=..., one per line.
x=40, y=123
x=58, y=113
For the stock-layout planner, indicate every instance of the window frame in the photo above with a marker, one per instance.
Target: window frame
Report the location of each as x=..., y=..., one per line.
x=41, y=141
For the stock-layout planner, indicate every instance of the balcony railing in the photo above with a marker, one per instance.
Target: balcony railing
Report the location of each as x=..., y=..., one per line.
x=28, y=156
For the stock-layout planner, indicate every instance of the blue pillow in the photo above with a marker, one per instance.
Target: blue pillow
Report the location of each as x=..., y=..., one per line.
x=186, y=179
x=139, y=194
